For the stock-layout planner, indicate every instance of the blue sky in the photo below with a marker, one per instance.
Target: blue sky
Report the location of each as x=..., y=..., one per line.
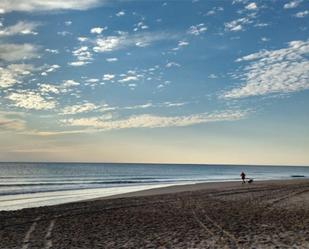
x=155, y=81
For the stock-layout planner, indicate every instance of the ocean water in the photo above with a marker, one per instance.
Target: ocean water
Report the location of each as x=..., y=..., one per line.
x=25, y=185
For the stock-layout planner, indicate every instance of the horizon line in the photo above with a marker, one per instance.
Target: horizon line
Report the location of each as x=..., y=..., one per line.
x=154, y=163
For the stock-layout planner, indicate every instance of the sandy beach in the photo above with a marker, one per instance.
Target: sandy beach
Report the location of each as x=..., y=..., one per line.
x=268, y=214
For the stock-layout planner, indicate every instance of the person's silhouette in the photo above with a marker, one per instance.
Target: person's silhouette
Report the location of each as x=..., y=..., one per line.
x=243, y=177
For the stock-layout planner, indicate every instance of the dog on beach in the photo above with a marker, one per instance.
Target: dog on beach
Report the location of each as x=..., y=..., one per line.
x=250, y=181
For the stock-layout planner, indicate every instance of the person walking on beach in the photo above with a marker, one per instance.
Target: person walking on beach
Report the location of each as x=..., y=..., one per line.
x=243, y=177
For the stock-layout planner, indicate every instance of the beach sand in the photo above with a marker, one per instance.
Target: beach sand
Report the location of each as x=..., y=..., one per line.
x=269, y=214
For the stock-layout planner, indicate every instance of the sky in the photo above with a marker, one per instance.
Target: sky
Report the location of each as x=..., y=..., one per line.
x=187, y=81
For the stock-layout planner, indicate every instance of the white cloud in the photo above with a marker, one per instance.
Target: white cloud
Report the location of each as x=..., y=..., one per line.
x=140, y=26
x=251, y=6
x=82, y=108
x=261, y=25
x=45, y=89
x=170, y=104
x=31, y=100
x=159, y=105
x=13, y=74
x=274, y=71
x=48, y=88
x=143, y=106
x=291, y=5
x=16, y=52
x=197, y=29
x=106, y=108
x=214, y=11
x=128, y=78
x=183, y=43
x=93, y=80
x=239, y=2
x=83, y=56
x=68, y=23
x=64, y=33
x=212, y=76
x=52, y=51
x=141, y=44
x=97, y=30
x=302, y=14
x=120, y=13
x=78, y=63
x=132, y=85
x=112, y=43
x=20, y=28
x=51, y=133
x=108, y=77
x=50, y=68
x=164, y=84
x=151, y=121
x=39, y=5
x=237, y=25
x=210, y=13
x=69, y=83
x=113, y=59
x=180, y=45
x=265, y=39
x=172, y=64
x=82, y=39
x=109, y=43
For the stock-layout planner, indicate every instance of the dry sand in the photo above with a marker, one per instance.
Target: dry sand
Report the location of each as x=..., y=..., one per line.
x=270, y=214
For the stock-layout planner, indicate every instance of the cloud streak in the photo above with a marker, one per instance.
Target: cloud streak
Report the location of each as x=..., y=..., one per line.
x=82, y=108
x=50, y=5
x=124, y=40
x=106, y=123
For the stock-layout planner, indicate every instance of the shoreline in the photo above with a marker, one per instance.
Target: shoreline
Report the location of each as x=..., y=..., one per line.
x=130, y=191
x=265, y=214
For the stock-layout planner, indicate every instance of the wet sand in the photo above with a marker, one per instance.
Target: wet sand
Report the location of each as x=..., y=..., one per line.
x=270, y=214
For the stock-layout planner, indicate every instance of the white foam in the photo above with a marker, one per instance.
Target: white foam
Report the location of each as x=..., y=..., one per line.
x=20, y=201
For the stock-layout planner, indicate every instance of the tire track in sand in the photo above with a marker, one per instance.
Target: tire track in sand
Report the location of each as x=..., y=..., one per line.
x=213, y=228
x=48, y=239
x=26, y=240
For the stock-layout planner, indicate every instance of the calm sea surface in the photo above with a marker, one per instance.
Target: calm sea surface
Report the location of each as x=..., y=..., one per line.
x=37, y=184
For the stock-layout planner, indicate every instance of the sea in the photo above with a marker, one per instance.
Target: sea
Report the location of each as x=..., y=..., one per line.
x=25, y=185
